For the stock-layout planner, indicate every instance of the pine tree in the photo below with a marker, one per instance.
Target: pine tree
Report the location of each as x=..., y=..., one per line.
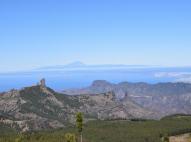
x=79, y=123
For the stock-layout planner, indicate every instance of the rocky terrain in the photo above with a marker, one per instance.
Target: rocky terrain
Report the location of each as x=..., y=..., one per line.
x=163, y=98
x=39, y=107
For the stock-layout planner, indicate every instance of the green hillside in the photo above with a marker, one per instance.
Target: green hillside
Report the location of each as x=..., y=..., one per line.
x=114, y=131
x=6, y=130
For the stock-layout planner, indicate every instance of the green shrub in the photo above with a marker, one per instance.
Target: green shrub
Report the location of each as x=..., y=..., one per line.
x=69, y=137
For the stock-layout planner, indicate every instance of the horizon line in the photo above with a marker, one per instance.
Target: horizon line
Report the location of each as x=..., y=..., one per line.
x=84, y=65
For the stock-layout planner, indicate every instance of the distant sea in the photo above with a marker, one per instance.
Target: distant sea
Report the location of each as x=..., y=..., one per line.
x=67, y=79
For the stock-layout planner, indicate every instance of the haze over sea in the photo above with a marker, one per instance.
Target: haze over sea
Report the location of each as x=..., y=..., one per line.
x=78, y=75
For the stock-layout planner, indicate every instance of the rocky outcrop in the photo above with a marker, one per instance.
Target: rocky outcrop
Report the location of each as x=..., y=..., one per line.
x=163, y=98
x=39, y=107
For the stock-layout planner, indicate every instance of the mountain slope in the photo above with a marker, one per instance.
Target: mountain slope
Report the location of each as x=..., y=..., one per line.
x=39, y=107
x=163, y=98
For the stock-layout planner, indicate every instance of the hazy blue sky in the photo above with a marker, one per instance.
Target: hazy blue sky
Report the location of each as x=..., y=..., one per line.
x=36, y=33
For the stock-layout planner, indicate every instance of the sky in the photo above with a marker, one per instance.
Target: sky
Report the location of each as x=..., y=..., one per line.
x=38, y=33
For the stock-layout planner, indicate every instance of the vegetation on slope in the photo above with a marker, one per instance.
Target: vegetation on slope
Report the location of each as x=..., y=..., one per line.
x=5, y=129
x=34, y=96
x=113, y=131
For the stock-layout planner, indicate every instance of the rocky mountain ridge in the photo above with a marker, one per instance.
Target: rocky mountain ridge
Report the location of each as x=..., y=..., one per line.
x=39, y=107
x=163, y=98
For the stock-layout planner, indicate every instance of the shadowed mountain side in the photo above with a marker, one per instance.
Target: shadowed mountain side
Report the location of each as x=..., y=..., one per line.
x=163, y=98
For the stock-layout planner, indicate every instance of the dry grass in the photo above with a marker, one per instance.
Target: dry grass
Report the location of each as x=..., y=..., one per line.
x=181, y=138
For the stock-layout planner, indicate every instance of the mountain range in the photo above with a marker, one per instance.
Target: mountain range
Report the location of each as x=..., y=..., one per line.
x=163, y=98
x=39, y=107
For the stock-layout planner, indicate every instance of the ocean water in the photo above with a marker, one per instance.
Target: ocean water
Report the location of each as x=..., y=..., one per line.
x=60, y=80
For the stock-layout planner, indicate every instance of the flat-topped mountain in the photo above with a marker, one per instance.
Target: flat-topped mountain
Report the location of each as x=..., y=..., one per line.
x=163, y=98
x=141, y=88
